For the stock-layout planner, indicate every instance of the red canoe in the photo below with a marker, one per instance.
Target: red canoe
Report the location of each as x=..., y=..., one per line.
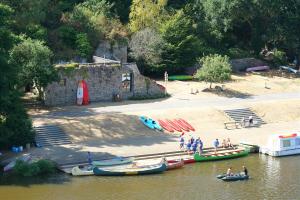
x=175, y=126
x=188, y=160
x=175, y=164
x=181, y=125
x=165, y=126
x=187, y=124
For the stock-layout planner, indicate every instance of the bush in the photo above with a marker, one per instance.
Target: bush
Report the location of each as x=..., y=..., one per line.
x=215, y=69
x=235, y=53
x=39, y=168
x=145, y=97
x=279, y=58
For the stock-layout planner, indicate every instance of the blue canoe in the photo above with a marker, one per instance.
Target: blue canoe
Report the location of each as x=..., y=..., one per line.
x=130, y=170
x=152, y=124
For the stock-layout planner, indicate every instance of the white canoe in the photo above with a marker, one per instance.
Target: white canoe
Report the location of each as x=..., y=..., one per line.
x=85, y=171
x=114, y=161
x=10, y=166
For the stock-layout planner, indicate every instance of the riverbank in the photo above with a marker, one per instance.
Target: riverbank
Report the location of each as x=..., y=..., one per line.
x=113, y=129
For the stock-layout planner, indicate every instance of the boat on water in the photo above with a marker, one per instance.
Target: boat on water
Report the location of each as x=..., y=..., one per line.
x=235, y=177
x=221, y=155
x=82, y=171
x=114, y=161
x=126, y=170
x=10, y=166
x=175, y=164
x=282, y=145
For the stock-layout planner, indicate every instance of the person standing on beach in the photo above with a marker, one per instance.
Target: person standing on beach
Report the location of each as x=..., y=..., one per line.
x=216, y=145
x=90, y=158
x=200, y=146
x=181, y=143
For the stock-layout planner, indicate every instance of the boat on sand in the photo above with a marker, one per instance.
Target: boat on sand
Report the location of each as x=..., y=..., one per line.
x=114, y=161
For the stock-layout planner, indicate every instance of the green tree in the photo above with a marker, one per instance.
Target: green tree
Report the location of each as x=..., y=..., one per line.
x=215, y=69
x=34, y=59
x=146, y=13
x=182, y=46
x=15, y=127
x=83, y=45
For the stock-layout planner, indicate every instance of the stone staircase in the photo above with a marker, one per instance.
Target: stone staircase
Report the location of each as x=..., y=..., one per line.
x=237, y=115
x=50, y=135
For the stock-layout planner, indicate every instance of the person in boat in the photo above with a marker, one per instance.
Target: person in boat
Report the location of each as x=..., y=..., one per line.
x=216, y=145
x=229, y=172
x=245, y=170
x=181, y=143
x=229, y=145
x=224, y=144
x=90, y=158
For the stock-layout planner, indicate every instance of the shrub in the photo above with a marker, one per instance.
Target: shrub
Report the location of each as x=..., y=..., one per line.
x=39, y=168
x=145, y=97
x=234, y=53
x=215, y=69
x=279, y=58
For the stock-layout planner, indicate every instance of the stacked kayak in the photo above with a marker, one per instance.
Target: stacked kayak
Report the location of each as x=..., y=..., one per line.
x=221, y=155
x=126, y=170
x=176, y=125
x=150, y=123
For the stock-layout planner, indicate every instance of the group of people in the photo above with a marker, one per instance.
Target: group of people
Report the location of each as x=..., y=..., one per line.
x=244, y=171
x=250, y=120
x=225, y=144
x=192, y=145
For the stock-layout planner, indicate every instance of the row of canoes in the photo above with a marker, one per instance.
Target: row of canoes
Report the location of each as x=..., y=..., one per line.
x=179, y=125
x=128, y=167
x=134, y=168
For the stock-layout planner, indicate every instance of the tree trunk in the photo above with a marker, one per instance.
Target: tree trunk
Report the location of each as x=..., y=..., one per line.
x=210, y=85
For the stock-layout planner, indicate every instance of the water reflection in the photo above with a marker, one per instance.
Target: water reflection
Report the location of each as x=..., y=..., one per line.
x=271, y=178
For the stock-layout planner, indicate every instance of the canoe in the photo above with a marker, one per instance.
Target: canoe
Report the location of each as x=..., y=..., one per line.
x=180, y=77
x=289, y=69
x=10, y=166
x=147, y=122
x=258, y=68
x=221, y=155
x=85, y=171
x=187, y=124
x=156, y=125
x=130, y=170
x=181, y=125
x=165, y=126
x=173, y=125
x=174, y=164
x=114, y=161
x=236, y=177
x=188, y=159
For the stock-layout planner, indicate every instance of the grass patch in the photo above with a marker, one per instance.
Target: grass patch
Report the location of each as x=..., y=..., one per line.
x=146, y=97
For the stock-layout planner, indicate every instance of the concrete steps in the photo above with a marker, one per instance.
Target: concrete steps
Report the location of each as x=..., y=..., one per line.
x=50, y=135
x=238, y=114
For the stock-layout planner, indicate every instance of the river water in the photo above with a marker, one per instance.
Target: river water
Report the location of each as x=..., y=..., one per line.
x=270, y=178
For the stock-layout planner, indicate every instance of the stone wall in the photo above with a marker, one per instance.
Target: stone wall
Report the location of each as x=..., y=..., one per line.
x=104, y=81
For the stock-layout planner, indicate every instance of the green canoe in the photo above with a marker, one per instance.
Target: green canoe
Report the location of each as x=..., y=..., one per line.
x=221, y=155
x=180, y=77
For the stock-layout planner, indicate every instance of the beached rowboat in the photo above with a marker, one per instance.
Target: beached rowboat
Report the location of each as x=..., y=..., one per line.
x=114, y=161
x=221, y=155
x=127, y=170
x=175, y=164
x=84, y=171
